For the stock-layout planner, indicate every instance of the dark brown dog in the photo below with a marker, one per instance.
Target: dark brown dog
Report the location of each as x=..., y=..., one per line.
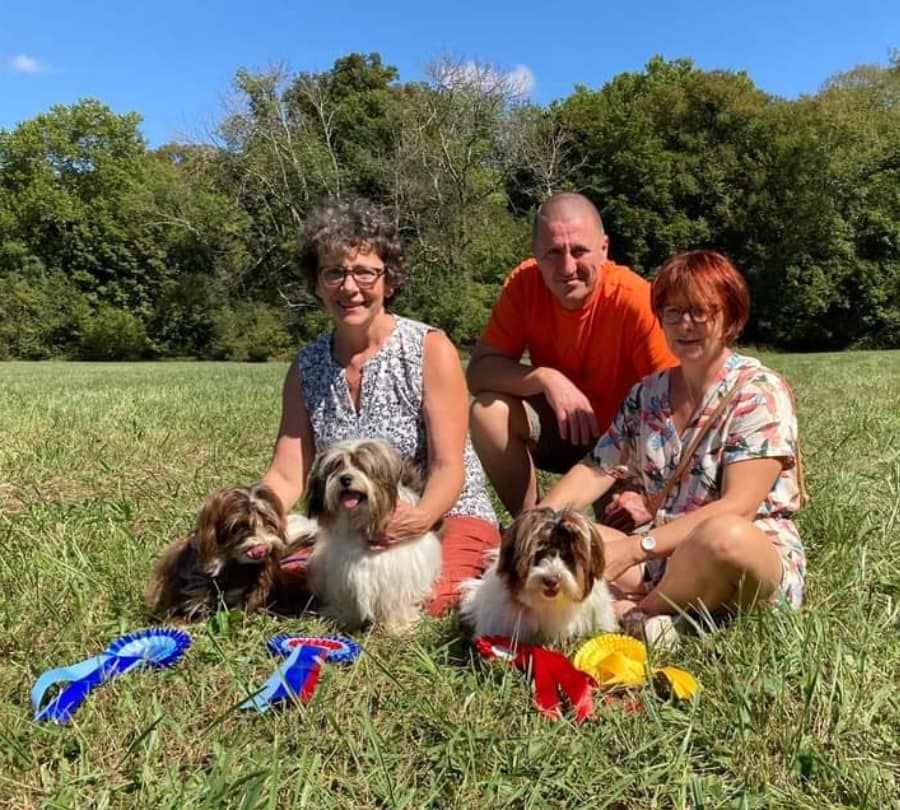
x=231, y=558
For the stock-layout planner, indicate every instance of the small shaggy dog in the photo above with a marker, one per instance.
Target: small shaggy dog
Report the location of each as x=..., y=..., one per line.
x=353, y=489
x=546, y=584
x=231, y=558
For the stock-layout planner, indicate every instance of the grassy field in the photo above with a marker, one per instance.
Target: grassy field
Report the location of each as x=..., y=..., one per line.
x=101, y=464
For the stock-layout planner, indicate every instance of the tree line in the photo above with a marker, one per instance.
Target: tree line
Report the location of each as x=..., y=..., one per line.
x=112, y=250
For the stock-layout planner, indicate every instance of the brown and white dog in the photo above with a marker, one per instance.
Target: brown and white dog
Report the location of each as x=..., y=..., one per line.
x=231, y=558
x=546, y=583
x=353, y=489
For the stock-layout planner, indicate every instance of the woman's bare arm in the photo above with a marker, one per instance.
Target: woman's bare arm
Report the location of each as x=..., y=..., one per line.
x=294, y=446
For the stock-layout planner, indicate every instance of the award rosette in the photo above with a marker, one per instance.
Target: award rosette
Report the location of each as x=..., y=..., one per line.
x=153, y=648
x=550, y=671
x=297, y=677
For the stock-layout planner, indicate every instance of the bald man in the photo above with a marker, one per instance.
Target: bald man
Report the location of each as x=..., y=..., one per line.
x=590, y=334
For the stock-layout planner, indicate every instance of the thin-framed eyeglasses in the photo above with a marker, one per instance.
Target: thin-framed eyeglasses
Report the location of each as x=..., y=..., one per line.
x=673, y=315
x=364, y=276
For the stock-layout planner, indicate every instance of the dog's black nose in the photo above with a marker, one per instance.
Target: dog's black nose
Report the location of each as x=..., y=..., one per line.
x=346, y=480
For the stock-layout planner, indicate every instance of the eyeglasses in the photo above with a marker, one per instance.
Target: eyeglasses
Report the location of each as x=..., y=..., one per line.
x=673, y=315
x=365, y=277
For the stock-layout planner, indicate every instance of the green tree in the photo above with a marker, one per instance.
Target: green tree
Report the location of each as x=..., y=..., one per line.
x=72, y=178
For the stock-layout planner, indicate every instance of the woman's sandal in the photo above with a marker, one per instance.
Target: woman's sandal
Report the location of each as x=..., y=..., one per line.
x=655, y=631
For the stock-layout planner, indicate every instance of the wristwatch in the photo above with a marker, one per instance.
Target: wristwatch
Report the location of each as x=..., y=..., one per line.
x=648, y=543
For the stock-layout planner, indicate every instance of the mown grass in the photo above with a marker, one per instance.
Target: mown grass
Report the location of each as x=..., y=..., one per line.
x=101, y=464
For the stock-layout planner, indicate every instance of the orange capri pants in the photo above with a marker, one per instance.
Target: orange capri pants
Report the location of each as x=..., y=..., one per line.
x=465, y=542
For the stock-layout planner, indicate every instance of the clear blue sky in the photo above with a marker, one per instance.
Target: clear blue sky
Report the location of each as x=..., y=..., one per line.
x=173, y=61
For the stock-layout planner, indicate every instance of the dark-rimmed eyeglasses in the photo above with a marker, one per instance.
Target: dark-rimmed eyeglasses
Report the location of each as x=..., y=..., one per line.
x=673, y=315
x=365, y=277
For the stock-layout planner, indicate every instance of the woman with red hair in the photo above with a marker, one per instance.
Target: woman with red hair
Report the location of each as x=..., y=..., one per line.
x=714, y=442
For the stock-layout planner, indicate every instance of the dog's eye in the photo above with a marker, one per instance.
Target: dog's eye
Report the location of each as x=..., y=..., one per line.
x=540, y=556
x=239, y=527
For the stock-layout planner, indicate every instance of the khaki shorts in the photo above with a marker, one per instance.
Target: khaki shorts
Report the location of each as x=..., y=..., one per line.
x=549, y=451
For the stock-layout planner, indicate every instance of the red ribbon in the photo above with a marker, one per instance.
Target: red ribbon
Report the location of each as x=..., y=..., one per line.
x=552, y=672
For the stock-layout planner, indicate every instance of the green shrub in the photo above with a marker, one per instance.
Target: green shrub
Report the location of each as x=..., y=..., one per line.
x=182, y=319
x=251, y=332
x=113, y=334
x=41, y=314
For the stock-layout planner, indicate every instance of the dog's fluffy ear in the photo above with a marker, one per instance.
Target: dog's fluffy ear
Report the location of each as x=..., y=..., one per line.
x=517, y=547
x=164, y=596
x=315, y=494
x=597, y=557
x=261, y=594
x=206, y=535
x=411, y=476
x=506, y=559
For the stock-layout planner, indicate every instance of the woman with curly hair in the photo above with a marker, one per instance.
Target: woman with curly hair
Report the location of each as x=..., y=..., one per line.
x=377, y=375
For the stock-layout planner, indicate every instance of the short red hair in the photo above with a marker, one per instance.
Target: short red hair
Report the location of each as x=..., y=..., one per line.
x=707, y=281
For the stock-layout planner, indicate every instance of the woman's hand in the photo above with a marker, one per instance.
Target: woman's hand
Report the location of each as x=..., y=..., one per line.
x=405, y=524
x=626, y=510
x=621, y=552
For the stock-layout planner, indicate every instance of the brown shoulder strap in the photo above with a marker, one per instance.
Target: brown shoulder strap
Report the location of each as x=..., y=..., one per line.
x=659, y=499
x=801, y=475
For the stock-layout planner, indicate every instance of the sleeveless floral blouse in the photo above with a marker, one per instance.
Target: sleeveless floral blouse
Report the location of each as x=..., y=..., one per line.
x=390, y=406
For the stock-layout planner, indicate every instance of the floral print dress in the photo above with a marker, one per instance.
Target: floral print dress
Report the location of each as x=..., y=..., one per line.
x=759, y=422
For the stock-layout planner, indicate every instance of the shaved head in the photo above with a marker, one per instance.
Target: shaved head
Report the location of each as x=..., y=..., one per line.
x=570, y=247
x=567, y=206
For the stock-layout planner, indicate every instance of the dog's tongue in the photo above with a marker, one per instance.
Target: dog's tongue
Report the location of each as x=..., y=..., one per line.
x=257, y=552
x=350, y=500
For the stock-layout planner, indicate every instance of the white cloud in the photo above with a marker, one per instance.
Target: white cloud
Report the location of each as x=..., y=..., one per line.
x=522, y=77
x=520, y=80
x=23, y=63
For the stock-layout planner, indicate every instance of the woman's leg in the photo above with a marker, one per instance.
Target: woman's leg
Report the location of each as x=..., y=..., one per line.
x=725, y=561
x=465, y=542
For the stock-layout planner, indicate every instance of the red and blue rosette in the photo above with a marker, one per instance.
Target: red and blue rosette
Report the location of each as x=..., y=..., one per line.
x=153, y=648
x=297, y=677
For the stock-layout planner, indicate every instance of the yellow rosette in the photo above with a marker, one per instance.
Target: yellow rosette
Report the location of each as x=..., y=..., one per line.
x=615, y=660
x=681, y=683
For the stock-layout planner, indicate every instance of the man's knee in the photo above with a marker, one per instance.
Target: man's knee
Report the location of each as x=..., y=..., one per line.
x=492, y=413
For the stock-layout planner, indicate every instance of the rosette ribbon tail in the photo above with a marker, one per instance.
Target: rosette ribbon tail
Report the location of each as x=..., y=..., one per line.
x=551, y=672
x=81, y=679
x=154, y=648
x=298, y=676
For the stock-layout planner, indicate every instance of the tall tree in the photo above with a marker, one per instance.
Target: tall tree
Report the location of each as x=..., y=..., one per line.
x=72, y=178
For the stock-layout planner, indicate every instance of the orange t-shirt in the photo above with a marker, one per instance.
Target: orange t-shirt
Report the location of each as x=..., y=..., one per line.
x=604, y=347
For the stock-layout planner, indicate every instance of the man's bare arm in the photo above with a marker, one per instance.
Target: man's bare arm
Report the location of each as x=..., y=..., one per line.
x=491, y=370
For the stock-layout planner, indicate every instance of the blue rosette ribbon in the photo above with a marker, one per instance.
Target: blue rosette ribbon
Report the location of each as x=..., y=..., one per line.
x=297, y=677
x=153, y=648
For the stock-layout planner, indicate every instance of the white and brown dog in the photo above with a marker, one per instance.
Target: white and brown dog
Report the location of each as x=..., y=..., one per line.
x=231, y=558
x=353, y=489
x=546, y=583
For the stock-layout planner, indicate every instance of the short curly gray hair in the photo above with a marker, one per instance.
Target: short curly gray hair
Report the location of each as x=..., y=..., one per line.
x=352, y=225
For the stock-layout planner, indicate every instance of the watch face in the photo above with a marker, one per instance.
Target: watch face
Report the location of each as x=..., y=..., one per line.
x=648, y=542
